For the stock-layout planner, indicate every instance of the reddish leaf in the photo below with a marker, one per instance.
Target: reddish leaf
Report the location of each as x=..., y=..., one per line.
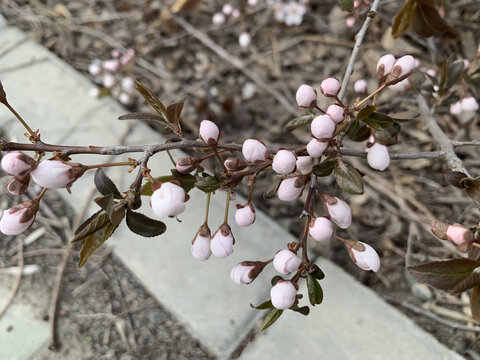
x=94, y=241
x=427, y=21
x=404, y=19
x=475, y=303
x=469, y=282
x=174, y=111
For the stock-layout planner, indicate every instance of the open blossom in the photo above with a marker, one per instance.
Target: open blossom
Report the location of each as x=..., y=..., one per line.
x=306, y=96
x=378, y=157
x=241, y=274
x=168, y=200
x=286, y=261
x=323, y=127
x=291, y=188
x=339, y=211
x=320, y=229
x=245, y=215
x=315, y=147
x=304, y=164
x=17, y=164
x=360, y=86
x=222, y=242
x=56, y=174
x=336, y=113
x=364, y=256
x=19, y=218
x=201, y=244
x=283, y=294
x=385, y=65
x=293, y=13
x=208, y=132
x=330, y=87
x=469, y=104
x=254, y=150
x=284, y=162
x=244, y=39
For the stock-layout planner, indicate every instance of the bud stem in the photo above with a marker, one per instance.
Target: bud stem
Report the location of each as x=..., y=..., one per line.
x=319, y=109
x=214, y=147
x=39, y=197
x=17, y=115
x=225, y=220
x=207, y=208
x=122, y=163
x=253, y=179
x=356, y=106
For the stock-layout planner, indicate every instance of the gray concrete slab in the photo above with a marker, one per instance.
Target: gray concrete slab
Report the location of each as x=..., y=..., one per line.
x=352, y=323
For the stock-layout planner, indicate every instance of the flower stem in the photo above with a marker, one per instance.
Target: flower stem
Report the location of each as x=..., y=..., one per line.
x=17, y=115
x=253, y=179
x=39, y=197
x=207, y=208
x=122, y=163
x=356, y=106
x=214, y=147
x=225, y=220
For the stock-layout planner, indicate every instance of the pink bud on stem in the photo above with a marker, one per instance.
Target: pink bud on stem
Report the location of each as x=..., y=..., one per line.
x=17, y=164
x=222, y=242
x=245, y=215
x=246, y=271
x=339, y=211
x=19, y=218
x=168, y=200
x=363, y=255
x=286, y=261
x=283, y=294
x=284, y=162
x=306, y=96
x=254, y=151
x=201, y=244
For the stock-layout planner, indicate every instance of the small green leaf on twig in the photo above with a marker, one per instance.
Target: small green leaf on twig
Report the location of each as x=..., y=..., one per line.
x=325, y=168
x=94, y=241
x=105, y=185
x=347, y=5
x=349, y=179
x=143, y=225
x=263, y=306
x=271, y=317
x=298, y=122
x=152, y=100
x=141, y=116
x=91, y=225
x=208, y=184
x=315, y=292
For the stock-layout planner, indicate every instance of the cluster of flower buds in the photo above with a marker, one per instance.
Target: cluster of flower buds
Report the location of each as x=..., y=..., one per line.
x=290, y=13
x=391, y=71
x=113, y=76
x=466, y=105
x=458, y=234
x=219, y=18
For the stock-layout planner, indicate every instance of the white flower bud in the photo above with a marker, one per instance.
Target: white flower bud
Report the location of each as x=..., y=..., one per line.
x=94, y=69
x=385, y=65
x=283, y=294
x=245, y=215
x=240, y=274
x=286, y=261
x=108, y=80
x=432, y=72
x=209, y=132
x=330, y=87
x=127, y=84
x=17, y=164
x=233, y=164
x=320, y=229
x=284, y=162
x=323, y=127
x=360, y=86
x=291, y=188
x=378, y=157
x=315, y=148
x=304, y=164
x=227, y=9
x=306, y=96
x=459, y=234
x=56, y=174
x=18, y=218
x=222, y=242
x=218, y=18
x=168, y=200
x=254, y=150
x=201, y=244
x=364, y=256
x=111, y=65
x=469, y=104
x=339, y=211
x=187, y=164
x=244, y=39
x=125, y=99
x=401, y=86
x=402, y=68
x=456, y=108
x=336, y=113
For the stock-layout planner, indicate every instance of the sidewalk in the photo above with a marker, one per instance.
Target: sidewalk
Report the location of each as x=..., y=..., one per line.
x=352, y=323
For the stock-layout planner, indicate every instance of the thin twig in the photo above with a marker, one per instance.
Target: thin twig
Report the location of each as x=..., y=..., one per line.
x=16, y=285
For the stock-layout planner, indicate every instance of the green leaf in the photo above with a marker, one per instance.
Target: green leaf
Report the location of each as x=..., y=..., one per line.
x=152, y=100
x=143, y=225
x=475, y=303
x=443, y=275
x=403, y=19
x=455, y=71
x=347, y=5
x=364, y=112
x=263, y=306
x=298, y=122
x=304, y=310
x=317, y=273
x=315, y=292
x=208, y=184
x=94, y=241
x=187, y=182
x=349, y=179
x=115, y=210
x=275, y=279
x=361, y=132
x=105, y=185
x=427, y=21
x=404, y=116
x=272, y=189
x=271, y=317
x=91, y=225
x=325, y=168
x=141, y=116
x=174, y=111
x=379, y=121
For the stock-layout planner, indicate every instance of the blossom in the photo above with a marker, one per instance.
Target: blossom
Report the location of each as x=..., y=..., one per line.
x=286, y=261
x=18, y=185
x=201, y=244
x=242, y=274
x=385, y=65
x=456, y=108
x=401, y=86
x=233, y=164
x=283, y=294
x=218, y=18
x=330, y=87
x=323, y=127
x=291, y=188
x=315, y=147
x=19, y=218
x=339, y=211
x=244, y=39
x=293, y=13
x=17, y=164
x=304, y=164
x=364, y=256
x=56, y=174
x=469, y=104
x=360, y=86
x=187, y=164
x=459, y=234
x=336, y=113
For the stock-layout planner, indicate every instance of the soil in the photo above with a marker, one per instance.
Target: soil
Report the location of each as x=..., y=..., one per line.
x=400, y=202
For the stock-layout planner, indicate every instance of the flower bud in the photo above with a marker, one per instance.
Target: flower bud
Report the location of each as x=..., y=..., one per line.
x=360, y=86
x=364, y=256
x=168, y=200
x=350, y=21
x=227, y=9
x=254, y=150
x=378, y=157
x=339, y=211
x=402, y=68
x=246, y=271
x=244, y=39
x=284, y=162
x=291, y=188
x=222, y=242
x=187, y=164
x=17, y=164
x=245, y=215
x=323, y=127
x=236, y=13
x=56, y=174
x=283, y=294
x=315, y=148
x=320, y=229
x=400, y=86
x=456, y=108
x=201, y=244
x=439, y=229
x=336, y=113
x=384, y=66
x=459, y=235
x=233, y=164
x=330, y=87
x=108, y=80
x=111, y=65
x=18, y=185
x=127, y=84
x=432, y=72
x=286, y=261
x=306, y=96
x=125, y=99
x=469, y=104
x=304, y=164
x=218, y=18
x=209, y=132
x=18, y=218
x=94, y=69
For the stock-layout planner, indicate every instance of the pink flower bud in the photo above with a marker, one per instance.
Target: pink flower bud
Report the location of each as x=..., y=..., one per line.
x=339, y=211
x=56, y=174
x=469, y=104
x=227, y=9
x=291, y=188
x=400, y=86
x=108, y=80
x=432, y=72
x=209, y=132
x=127, y=84
x=222, y=242
x=418, y=63
x=168, y=200
x=320, y=229
x=18, y=185
x=244, y=39
x=94, y=69
x=254, y=150
x=286, y=261
x=378, y=157
x=336, y=113
x=306, y=96
x=364, y=256
x=115, y=53
x=284, y=162
x=240, y=274
x=245, y=215
x=235, y=164
x=218, y=18
x=402, y=68
x=111, y=65
x=304, y=164
x=330, y=87
x=201, y=244
x=236, y=13
x=439, y=229
x=360, y=86
x=252, y=2
x=315, y=147
x=187, y=164
x=125, y=99
x=385, y=65
x=283, y=294
x=19, y=218
x=350, y=21
x=323, y=127
x=17, y=164
x=456, y=108
x=459, y=234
